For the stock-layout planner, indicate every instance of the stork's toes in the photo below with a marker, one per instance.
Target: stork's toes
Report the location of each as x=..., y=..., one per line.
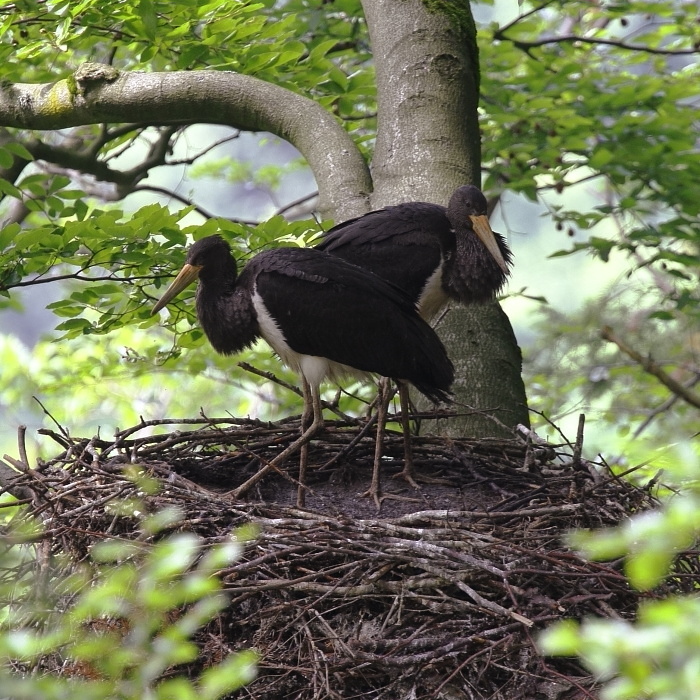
x=380, y=497
x=413, y=479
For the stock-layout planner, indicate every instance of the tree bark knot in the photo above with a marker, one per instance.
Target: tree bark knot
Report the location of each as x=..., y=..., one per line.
x=89, y=74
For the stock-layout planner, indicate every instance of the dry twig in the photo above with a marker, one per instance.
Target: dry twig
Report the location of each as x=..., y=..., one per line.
x=340, y=602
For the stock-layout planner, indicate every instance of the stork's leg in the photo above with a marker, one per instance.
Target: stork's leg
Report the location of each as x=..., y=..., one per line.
x=383, y=398
x=312, y=409
x=375, y=490
x=408, y=472
x=312, y=394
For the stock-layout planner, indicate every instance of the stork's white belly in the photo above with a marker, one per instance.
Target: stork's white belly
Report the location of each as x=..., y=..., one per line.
x=312, y=367
x=432, y=297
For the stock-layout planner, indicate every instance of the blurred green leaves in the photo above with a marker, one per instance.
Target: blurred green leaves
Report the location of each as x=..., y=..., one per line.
x=603, y=104
x=656, y=655
x=654, y=658
x=120, y=624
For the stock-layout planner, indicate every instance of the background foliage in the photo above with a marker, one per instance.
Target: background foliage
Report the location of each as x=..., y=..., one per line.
x=588, y=109
x=119, y=622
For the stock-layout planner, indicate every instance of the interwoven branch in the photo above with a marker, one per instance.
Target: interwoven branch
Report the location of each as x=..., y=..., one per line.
x=429, y=600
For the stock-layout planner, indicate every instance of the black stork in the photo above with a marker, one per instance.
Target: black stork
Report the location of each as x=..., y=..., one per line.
x=434, y=253
x=323, y=317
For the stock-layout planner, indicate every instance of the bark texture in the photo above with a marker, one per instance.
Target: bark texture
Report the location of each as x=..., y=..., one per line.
x=428, y=139
x=96, y=93
x=428, y=143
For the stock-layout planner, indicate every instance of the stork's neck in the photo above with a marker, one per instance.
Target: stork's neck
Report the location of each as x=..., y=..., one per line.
x=218, y=277
x=477, y=276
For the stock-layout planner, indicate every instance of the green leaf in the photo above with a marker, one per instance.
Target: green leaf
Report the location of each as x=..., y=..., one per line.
x=147, y=12
x=9, y=189
x=74, y=327
x=601, y=156
x=646, y=569
x=234, y=672
x=16, y=148
x=561, y=639
x=6, y=158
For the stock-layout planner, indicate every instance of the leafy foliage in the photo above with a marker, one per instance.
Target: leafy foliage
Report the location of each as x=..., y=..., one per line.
x=583, y=93
x=137, y=364
x=117, y=625
x=577, y=98
x=574, y=370
x=656, y=656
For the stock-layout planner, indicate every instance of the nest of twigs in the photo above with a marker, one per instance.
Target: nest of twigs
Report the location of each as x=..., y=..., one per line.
x=441, y=596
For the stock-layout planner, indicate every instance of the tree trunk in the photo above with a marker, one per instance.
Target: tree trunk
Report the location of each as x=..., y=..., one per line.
x=428, y=143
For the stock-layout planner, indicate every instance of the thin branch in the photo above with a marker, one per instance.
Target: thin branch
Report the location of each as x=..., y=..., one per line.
x=107, y=135
x=663, y=407
x=81, y=278
x=572, y=38
x=74, y=159
x=648, y=365
x=578, y=446
x=204, y=151
x=297, y=202
x=156, y=156
x=64, y=432
x=117, y=33
x=174, y=195
x=22, y=445
x=272, y=377
x=499, y=34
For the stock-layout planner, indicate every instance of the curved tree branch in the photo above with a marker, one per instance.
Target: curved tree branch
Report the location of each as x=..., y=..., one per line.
x=96, y=93
x=648, y=365
x=573, y=38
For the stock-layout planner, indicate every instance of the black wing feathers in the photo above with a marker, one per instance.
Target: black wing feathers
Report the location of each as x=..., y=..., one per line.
x=402, y=244
x=327, y=307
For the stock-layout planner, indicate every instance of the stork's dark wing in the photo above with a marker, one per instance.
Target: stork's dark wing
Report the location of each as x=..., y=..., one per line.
x=401, y=244
x=327, y=307
x=403, y=220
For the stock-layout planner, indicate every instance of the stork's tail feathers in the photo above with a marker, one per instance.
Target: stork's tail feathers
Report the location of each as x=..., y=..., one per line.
x=433, y=371
x=435, y=394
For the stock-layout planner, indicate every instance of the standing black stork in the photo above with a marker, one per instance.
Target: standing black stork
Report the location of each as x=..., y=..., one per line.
x=433, y=253
x=323, y=316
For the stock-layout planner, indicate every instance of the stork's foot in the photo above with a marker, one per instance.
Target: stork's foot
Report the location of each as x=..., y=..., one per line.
x=380, y=497
x=414, y=479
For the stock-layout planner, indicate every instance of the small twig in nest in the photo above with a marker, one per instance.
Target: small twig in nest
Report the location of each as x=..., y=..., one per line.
x=64, y=432
x=342, y=605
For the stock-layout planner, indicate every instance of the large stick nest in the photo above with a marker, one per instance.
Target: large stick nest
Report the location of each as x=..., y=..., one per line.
x=437, y=597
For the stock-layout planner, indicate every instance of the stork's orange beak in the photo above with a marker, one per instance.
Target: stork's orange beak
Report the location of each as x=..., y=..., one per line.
x=185, y=277
x=483, y=229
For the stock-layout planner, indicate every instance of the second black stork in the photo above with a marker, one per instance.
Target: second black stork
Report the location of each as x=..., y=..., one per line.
x=323, y=316
x=434, y=253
